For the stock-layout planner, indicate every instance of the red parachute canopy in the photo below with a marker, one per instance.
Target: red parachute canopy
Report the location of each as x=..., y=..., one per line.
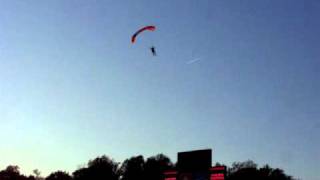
x=150, y=28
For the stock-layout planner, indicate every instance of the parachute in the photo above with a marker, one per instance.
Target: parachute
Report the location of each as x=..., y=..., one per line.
x=150, y=28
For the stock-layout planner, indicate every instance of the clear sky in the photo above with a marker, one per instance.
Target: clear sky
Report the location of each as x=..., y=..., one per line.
x=240, y=77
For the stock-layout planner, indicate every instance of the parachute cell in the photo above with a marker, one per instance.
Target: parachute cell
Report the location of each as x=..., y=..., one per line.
x=149, y=28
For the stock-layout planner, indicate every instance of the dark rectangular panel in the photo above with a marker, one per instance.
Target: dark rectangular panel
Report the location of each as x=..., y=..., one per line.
x=194, y=161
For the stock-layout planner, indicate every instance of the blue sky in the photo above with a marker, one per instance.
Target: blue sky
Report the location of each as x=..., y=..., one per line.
x=73, y=86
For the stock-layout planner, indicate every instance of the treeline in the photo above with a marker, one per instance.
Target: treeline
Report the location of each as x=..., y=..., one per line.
x=138, y=168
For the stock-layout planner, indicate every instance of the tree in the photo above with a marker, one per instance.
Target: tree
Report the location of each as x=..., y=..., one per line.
x=81, y=174
x=133, y=168
x=243, y=170
x=31, y=177
x=265, y=172
x=37, y=173
x=249, y=170
x=136, y=168
x=11, y=173
x=13, y=169
x=156, y=166
x=101, y=168
x=278, y=174
x=59, y=175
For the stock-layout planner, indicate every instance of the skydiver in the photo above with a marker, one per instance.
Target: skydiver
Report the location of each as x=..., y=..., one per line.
x=153, y=50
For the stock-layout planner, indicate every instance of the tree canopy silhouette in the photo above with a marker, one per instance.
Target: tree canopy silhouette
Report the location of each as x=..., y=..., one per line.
x=101, y=168
x=13, y=173
x=137, y=168
x=155, y=167
x=59, y=175
x=133, y=168
x=248, y=170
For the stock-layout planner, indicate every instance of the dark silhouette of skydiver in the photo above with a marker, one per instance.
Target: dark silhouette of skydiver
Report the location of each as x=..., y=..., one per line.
x=153, y=50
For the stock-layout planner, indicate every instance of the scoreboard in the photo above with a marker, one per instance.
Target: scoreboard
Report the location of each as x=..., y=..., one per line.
x=194, y=161
x=196, y=165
